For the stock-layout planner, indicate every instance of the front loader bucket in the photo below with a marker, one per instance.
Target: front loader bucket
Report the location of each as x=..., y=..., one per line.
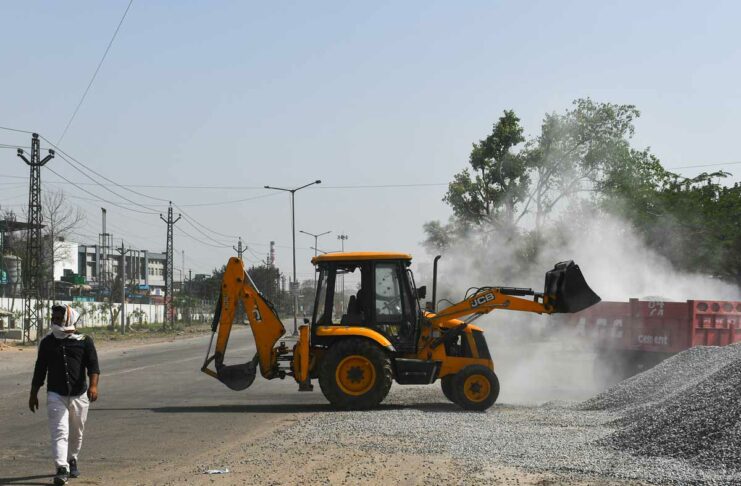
x=566, y=289
x=238, y=377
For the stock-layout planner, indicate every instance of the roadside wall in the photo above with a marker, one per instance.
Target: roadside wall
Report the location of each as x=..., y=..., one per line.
x=93, y=314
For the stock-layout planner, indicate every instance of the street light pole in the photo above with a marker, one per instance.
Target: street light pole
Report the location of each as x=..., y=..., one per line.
x=316, y=239
x=294, y=285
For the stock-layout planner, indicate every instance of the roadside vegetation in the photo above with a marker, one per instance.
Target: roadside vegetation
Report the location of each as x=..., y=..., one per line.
x=528, y=194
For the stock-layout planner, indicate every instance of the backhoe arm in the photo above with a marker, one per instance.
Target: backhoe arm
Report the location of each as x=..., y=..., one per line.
x=489, y=299
x=266, y=327
x=565, y=291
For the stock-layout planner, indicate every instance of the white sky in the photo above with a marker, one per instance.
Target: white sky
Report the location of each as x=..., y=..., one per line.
x=353, y=93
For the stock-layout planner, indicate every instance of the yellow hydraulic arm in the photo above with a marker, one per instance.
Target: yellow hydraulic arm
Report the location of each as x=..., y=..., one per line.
x=565, y=291
x=264, y=322
x=488, y=299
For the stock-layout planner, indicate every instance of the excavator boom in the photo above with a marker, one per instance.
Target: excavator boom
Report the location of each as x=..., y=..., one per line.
x=565, y=291
x=237, y=286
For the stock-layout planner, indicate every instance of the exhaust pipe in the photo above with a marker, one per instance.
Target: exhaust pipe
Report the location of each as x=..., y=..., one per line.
x=432, y=306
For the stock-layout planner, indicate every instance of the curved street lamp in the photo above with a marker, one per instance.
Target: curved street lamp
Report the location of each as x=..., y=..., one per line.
x=294, y=289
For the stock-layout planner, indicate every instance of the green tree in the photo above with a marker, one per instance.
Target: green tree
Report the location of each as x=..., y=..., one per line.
x=572, y=157
x=694, y=223
x=490, y=192
x=574, y=152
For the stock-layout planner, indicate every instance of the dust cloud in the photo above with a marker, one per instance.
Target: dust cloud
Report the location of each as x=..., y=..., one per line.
x=539, y=358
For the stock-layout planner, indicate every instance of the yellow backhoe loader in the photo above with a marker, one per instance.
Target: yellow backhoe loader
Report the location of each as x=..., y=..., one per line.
x=355, y=349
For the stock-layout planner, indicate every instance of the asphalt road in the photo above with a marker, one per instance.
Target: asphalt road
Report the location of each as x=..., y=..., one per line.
x=156, y=412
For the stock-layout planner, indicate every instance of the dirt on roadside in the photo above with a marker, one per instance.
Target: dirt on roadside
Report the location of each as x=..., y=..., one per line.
x=267, y=459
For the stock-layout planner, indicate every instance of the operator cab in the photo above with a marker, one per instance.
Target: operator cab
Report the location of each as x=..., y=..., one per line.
x=368, y=289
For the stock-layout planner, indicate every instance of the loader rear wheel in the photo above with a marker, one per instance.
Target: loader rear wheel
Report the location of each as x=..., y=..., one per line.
x=355, y=374
x=475, y=387
x=446, y=383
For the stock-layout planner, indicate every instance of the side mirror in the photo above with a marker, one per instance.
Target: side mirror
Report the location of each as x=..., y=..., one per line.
x=422, y=292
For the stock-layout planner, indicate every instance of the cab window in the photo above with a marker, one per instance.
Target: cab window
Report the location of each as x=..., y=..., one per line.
x=336, y=302
x=388, y=294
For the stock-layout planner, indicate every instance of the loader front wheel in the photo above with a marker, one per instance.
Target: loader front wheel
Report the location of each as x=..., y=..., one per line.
x=355, y=374
x=475, y=387
x=446, y=383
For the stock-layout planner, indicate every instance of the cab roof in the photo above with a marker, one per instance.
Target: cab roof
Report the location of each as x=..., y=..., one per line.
x=354, y=256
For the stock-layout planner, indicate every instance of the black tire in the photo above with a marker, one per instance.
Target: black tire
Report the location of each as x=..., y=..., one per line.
x=475, y=387
x=364, y=351
x=446, y=382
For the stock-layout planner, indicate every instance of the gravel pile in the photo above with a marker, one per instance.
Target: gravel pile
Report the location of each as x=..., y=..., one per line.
x=701, y=422
x=672, y=377
x=559, y=441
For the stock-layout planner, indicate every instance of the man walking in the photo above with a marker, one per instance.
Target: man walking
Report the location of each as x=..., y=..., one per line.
x=64, y=357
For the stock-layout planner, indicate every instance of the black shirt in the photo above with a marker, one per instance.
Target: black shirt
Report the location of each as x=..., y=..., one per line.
x=65, y=360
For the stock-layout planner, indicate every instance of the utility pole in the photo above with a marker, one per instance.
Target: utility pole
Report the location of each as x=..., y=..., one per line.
x=342, y=239
x=169, y=311
x=294, y=284
x=316, y=245
x=32, y=277
x=239, y=248
x=123, y=251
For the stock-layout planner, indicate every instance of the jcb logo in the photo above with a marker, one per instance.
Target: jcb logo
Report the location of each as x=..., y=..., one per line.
x=481, y=300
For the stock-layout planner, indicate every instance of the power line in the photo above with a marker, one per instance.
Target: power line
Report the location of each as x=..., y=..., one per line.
x=15, y=130
x=259, y=258
x=108, y=48
x=705, y=165
x=96, y=199
x=188, y=216
x=217, y=187
x=199, y=240
x=383, y=186
x=104, y=187
x=8, y=146
x=66, y=157
x=233, y=201
x=96, y=196
x=221, y=244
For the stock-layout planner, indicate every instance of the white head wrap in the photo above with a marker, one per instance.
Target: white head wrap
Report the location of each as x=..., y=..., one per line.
x=68, y=324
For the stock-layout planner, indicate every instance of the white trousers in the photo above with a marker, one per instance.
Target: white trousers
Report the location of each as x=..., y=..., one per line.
x=67, y=417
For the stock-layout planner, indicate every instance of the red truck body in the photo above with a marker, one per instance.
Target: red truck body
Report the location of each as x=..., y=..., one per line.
x=635, y=335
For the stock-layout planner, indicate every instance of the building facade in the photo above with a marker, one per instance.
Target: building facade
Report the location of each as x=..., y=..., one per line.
x=145, y=270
